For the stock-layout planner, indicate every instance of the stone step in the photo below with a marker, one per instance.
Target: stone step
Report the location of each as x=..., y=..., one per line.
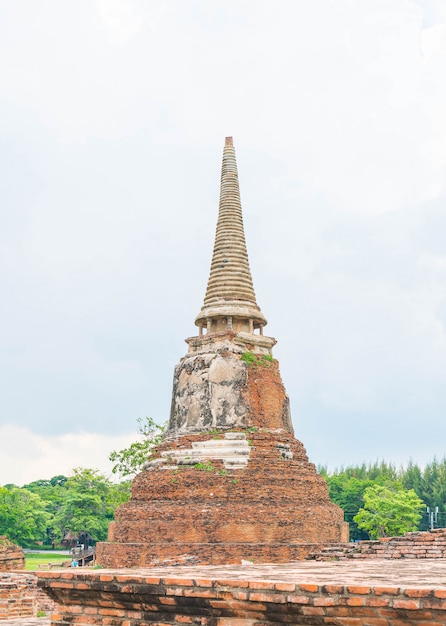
x=221, y=443
x=234, y=450
x=206, y=453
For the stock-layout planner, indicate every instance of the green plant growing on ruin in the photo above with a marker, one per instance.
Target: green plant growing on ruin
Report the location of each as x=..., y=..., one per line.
x=257, y=360
x=174, y=481
x=216, y=434
x=249, y=358
x=222, y=472
x=204, y=466
x=129, y=461
x=235, y=480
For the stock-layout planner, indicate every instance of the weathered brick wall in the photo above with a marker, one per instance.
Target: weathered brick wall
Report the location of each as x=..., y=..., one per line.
x=269, y=511
x=416, y=545
x=265, y=397
x=11, y=556
x=120, y=598
x=20, y=596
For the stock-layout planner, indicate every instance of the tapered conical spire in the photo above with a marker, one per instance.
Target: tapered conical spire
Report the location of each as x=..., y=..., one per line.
x=230, y=301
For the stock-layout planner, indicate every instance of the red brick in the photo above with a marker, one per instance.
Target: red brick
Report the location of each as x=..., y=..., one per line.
x=324, y=601
x=372, y=601
x=335, y=589
x=310, y=588
x=114, y=612
x=355, y=601
x=376, y=621
x=410, y=605
x=298, y=599
x=73, y=608
x=219, y=604
x=232, y=583
x=418, y=593
x=174, y=591
x=183, y=582
x=312, y=610
x=106, y=578
x=285, y=587
x=260, y=584
x=204, y=582
x=230, y=621
x=277, y=598
x=389, y=591
x=196, y=592
x=91, y=610
x=358, y=589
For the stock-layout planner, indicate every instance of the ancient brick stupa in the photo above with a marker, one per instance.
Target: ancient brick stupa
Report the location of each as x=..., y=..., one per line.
x=229, y=481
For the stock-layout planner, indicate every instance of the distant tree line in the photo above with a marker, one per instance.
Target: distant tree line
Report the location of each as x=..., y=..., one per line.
x=44, y=511
x=380, y=499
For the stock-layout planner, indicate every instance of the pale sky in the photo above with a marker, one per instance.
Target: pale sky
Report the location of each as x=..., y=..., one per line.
x=113, y=115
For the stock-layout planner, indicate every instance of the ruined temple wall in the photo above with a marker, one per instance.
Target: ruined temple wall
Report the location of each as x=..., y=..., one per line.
x=11, y=556
x=415, y=545
x=20, y=596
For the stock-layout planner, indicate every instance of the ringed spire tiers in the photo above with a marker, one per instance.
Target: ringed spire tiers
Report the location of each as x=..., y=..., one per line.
x=230, y=301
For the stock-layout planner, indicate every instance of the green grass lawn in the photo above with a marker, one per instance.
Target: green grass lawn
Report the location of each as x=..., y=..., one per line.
x=32, y=561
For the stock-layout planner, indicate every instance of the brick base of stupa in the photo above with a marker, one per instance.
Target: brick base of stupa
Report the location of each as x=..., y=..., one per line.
x=229, y=482
x=273, y=510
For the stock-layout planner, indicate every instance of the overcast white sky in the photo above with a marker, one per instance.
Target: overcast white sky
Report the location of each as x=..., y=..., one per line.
x=113, y=115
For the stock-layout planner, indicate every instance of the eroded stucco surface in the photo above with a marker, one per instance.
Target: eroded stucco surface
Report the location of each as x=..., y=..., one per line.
x=207, y=393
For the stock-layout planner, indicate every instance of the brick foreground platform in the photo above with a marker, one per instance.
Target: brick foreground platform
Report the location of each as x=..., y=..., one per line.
x=366, y=593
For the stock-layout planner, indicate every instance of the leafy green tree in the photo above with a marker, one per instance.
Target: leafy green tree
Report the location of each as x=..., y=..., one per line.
x=23, y=518
x=389, y=510
x=52, y=492
x=119, y=493
x=88, y=505
x=129, y=461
